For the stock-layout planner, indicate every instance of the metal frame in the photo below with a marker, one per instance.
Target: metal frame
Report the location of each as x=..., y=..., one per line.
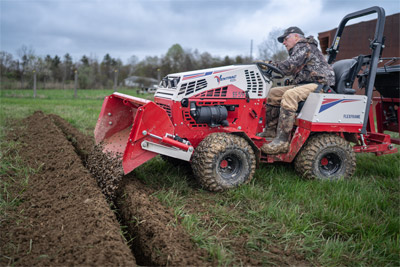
x=376, y=46
x=148, y=128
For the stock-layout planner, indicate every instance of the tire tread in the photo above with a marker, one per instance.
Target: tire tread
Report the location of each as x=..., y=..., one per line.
x=305, y=159
x=203, y=158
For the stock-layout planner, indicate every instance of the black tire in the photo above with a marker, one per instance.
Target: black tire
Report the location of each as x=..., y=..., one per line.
x=223, y=161
x=326, y=157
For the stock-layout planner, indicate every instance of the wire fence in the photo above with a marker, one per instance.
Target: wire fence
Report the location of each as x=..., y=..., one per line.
x=34, y=81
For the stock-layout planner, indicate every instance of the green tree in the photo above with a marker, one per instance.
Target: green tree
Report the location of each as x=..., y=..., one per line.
x=26, y=64
x=239, y=60
x=67, y=68
x=148, y=67
x=175, y=57
x=85, y=61
x=46, y=72
x=228, y=61
x=6, y=64
x=56, y=68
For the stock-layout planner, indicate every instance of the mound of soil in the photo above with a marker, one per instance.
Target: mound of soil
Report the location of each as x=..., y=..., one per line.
x=159, y=236
x=65, y=217
x=66, y=220
x=158, y=239
x=107, y=169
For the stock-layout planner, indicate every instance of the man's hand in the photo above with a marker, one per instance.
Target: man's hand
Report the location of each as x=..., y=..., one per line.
x=263, y=61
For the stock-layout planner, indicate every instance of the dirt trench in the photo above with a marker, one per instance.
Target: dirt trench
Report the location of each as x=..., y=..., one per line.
x=77, y=206
x=66, y=219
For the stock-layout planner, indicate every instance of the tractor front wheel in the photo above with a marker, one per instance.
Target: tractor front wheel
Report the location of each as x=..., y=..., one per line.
x=326, y=157
x=223, y=161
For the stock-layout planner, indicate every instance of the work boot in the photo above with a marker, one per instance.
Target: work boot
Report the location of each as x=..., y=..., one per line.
x=271, y=121
x=280, y=144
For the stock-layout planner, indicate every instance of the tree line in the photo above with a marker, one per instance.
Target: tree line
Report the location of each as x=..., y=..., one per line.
x=55, y=72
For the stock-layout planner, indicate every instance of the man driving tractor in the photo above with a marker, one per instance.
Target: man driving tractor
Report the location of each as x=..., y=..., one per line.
x=309, y=69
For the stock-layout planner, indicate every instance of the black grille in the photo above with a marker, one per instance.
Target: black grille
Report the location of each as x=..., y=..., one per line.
x=218, y=92
x=254, y=82
x=191, y=122
x=166, y=108
x=192, y=87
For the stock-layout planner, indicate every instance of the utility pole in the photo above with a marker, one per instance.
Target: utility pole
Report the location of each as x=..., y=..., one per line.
x=34, y=83
x=76, y=83
x=251, y=50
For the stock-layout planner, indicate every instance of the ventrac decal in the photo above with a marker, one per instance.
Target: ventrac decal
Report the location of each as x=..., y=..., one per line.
x=328, y=103
x=220, y=78
x=202, y=74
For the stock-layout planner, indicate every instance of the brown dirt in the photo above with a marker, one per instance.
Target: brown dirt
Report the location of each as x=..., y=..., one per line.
x=159, y=236
x=159, y=239
x=107, y=169
x=65, y=218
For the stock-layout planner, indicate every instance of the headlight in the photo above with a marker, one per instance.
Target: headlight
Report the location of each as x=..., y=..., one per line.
x=170, y=82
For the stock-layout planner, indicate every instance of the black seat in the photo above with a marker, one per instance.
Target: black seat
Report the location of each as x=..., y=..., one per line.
x=346, y=71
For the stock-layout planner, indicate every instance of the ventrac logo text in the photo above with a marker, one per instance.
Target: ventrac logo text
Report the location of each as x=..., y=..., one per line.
x=220, y=78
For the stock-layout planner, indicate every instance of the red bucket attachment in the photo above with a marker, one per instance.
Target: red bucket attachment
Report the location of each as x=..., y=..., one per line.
x=125, y=122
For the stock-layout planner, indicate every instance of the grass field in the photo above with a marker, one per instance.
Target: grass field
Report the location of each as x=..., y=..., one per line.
x=348, y=222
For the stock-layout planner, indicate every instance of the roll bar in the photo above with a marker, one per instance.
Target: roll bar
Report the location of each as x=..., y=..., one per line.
x=377, y=45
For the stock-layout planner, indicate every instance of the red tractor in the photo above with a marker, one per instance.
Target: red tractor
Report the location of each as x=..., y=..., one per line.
x=210, y=118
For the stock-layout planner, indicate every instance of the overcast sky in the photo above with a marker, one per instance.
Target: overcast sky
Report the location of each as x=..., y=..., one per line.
x=124, y=28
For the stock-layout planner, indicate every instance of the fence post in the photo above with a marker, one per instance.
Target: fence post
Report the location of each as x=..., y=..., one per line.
x=64, y=76
x=76, y=83
x=34, y=83
x=115, y=79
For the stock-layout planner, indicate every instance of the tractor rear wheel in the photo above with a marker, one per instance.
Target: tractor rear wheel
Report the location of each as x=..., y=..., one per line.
x=223, y=161
x=326, y=157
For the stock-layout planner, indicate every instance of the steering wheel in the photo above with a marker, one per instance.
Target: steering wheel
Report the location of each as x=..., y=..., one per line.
x=270, y=70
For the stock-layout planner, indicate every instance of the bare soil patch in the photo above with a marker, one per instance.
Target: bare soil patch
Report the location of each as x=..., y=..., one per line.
x=65, y=220
x=65, y=215
x=159, y=236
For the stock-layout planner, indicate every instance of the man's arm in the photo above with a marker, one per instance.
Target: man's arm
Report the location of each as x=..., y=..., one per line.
x=296, y=61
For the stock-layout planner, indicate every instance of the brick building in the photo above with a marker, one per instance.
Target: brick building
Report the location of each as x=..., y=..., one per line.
x=356, y=38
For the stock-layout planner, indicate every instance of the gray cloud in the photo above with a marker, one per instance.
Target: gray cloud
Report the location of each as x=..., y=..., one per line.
x=123, y=28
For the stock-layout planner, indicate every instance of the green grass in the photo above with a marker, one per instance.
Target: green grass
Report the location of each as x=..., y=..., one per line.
x=81, y=112
x=347, y=222
x=64, y=94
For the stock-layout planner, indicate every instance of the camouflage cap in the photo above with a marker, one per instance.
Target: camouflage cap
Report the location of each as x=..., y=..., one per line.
x=288, y=31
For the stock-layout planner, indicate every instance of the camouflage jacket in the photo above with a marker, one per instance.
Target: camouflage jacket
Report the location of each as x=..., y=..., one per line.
x=307, y=64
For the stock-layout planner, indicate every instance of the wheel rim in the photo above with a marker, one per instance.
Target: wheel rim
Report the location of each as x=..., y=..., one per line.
x=330, y=164
x=229, y=166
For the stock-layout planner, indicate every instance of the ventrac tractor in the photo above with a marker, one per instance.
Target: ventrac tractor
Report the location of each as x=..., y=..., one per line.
x=210, y=119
